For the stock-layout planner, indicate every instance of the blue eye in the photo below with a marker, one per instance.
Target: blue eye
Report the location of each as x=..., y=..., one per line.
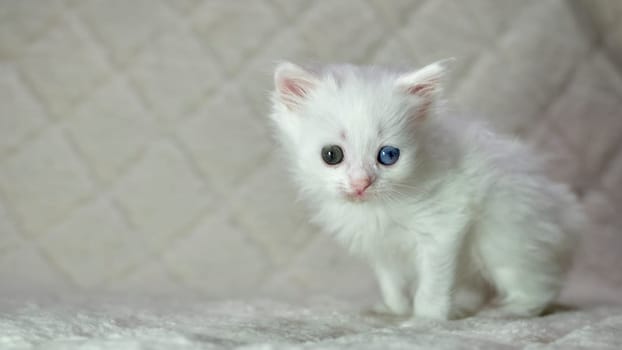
x=388, y=155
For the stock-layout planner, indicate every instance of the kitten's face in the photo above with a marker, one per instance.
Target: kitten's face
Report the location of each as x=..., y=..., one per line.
x=351, y=132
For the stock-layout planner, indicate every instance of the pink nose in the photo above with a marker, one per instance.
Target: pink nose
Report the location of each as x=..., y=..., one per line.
x=360, y=185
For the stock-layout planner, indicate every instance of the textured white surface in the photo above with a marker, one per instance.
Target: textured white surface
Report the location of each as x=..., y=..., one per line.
x=135, y=155
x=320, y=324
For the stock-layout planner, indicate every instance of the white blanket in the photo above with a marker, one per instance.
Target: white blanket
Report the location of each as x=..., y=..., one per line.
x=114, y=323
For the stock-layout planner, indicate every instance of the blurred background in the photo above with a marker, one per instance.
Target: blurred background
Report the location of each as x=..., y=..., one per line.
x=136, y=157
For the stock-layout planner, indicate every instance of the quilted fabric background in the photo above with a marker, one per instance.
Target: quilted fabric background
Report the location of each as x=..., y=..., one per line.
x=135, y=154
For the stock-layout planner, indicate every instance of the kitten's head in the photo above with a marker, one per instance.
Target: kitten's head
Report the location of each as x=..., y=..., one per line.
x=351, y=131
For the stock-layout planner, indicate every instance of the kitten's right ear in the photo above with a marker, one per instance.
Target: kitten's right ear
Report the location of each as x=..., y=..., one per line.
x=293, y=84
x=424, y=85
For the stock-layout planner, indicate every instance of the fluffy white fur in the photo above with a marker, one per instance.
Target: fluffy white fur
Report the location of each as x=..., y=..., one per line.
x=463, y=215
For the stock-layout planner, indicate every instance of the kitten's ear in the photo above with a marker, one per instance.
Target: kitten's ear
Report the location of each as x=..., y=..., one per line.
x=293, y=84
x=424, y=84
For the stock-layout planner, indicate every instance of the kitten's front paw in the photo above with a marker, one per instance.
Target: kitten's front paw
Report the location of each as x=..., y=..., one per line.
x=425, y=316
x=378, y=309
x=433, y=310
x=381, y=308
x=513, y=311
x=432, y=314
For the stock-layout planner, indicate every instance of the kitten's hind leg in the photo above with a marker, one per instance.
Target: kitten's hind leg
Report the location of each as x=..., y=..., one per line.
x=522, y=293
x=527, y=275
x=470, y=296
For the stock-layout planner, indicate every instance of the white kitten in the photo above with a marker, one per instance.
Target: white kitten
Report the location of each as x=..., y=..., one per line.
x=444, y=210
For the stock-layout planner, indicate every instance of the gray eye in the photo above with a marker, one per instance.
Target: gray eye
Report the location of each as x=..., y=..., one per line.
x=332, y=154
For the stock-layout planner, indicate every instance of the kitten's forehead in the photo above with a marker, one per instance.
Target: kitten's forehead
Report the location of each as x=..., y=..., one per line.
x=361, y=104
x=347, y=71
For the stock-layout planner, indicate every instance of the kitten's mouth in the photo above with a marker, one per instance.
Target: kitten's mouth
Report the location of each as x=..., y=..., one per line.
x=356, y=197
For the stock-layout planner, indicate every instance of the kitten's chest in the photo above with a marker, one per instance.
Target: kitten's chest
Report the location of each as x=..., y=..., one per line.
x=385, y=230
x=371, y=230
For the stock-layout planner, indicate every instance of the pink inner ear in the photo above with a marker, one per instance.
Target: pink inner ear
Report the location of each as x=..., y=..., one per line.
x=294, y=87
x=423, y=89
x=418, y=89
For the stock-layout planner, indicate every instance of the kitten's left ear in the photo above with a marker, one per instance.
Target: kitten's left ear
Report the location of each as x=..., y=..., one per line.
x=293, y=84
x=424, y=84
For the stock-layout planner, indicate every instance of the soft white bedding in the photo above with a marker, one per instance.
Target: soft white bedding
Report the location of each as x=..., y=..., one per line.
x=115, y=323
